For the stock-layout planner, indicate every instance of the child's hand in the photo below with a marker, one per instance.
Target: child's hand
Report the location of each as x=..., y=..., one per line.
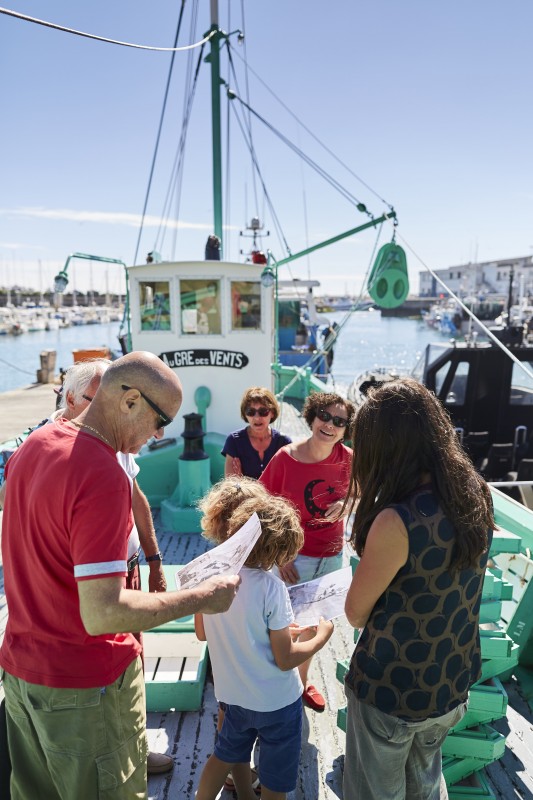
x=324, y=629
x=295, y=631
x=289, y=573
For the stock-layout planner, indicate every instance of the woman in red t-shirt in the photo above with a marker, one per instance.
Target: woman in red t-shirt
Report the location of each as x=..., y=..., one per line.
x=315, y=475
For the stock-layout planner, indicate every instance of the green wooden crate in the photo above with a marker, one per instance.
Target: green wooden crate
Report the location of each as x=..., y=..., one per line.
x=487, y=703
x=175, y=661
x=184, y=624
x=475, y=786
x=495, y=643
x=514, y=518
x=342, y=669
x=490, y=610
x=482, y=742
x=504, y=541
x=492, y=667
x=342, y=714
x=456, y=769
x=175, y=666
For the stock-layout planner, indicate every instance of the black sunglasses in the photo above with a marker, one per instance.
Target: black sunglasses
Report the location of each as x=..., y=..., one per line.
x=263, y=412
x=164, y=419
x=325, y=416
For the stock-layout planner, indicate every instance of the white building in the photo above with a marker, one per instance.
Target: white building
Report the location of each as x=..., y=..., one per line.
x=485, y=278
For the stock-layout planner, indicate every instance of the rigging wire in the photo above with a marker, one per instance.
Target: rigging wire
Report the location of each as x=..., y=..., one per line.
x=159, y=130
x=315, y=137
x=64, y=29
x=470, y=313
x=178, y=186
x=318, y=169
x=247, y=89
x=315, y=356
x=14, y=366
x=246, y=136
x=177, y=167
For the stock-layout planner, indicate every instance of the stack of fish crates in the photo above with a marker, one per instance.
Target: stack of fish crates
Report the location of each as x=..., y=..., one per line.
x=474, y=743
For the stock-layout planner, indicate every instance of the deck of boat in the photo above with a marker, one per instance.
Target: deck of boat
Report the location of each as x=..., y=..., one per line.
x=189, y=736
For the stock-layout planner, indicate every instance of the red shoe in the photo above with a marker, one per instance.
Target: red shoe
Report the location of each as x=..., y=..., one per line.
x=313, y=698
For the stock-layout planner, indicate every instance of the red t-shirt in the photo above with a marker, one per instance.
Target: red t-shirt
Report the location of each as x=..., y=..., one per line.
x=312, y=488
x=67, y=517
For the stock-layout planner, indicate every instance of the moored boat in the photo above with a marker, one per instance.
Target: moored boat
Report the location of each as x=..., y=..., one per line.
x=214, y=321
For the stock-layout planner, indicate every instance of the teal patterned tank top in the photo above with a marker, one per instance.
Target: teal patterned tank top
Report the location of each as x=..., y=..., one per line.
x=419, y=652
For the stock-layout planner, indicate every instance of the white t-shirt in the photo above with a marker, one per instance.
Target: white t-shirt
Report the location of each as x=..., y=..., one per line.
x=244, y=669
x=132, y=469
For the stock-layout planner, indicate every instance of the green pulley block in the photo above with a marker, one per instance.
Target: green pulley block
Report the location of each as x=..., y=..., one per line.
x=388, y=285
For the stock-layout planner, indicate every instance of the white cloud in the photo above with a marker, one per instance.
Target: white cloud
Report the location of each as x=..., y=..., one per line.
x=102, y=217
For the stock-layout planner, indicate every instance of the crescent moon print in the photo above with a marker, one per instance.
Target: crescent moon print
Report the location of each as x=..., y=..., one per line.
x=310, y=504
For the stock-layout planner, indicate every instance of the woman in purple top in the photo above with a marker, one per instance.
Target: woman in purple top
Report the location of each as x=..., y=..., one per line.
x=249, y=449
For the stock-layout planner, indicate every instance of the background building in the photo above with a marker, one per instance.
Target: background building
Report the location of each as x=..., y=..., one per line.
x=482, y=279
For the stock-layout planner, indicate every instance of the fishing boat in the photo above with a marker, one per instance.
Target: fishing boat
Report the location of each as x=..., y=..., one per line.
x=217, y=323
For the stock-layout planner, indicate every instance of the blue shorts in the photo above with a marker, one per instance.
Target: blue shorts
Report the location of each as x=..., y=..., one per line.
x=280, y=741
x=310, y=567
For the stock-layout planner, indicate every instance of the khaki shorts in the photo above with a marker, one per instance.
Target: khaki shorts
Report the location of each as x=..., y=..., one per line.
x=88, y=744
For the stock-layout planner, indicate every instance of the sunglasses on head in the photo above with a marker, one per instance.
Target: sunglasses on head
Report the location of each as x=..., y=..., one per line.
x=263, y=412
x=325, y=416
x=164, y=419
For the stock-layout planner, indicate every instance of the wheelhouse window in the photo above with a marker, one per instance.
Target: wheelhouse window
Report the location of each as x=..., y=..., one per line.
x=154, y=299
x=521, y=386
x=200, y=306
x=245, y=305
x=456, y=390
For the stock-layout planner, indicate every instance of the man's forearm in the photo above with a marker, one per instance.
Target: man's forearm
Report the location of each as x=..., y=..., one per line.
x=106, y=607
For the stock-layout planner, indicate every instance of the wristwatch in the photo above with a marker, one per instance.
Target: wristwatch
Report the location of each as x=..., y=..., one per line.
x=155, y=557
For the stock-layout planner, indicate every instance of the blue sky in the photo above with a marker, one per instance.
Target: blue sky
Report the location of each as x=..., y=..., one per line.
x=430, y=103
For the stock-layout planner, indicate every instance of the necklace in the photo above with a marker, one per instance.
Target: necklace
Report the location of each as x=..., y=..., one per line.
x=84, y=425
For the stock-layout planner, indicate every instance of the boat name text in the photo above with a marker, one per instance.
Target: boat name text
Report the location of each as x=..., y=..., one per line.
x=205, y=358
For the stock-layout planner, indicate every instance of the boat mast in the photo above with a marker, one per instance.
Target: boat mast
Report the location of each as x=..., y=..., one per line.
x=215, y=122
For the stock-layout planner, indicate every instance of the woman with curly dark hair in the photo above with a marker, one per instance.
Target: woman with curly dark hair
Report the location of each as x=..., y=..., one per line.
x=422, y=528
x=314, y=474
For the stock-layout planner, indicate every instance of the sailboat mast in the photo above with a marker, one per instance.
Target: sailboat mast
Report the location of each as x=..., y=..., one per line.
x=215, y=122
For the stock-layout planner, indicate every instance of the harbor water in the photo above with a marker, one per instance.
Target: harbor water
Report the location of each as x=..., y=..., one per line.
x=366, y=341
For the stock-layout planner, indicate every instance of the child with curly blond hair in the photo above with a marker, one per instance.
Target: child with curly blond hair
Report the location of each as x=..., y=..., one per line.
x=253, y=649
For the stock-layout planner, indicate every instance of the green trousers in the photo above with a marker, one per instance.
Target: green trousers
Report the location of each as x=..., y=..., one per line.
x=87, y=744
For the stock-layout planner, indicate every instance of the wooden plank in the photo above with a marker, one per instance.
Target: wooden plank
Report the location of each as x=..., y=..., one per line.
x=169, y=670
x=150, y=667
x=172, y=644
x=190, y=669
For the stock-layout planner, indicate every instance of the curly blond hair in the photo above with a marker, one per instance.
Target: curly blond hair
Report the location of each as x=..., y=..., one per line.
x=232, y=501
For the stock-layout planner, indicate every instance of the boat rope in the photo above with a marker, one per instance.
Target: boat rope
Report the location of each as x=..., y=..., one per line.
x=158, y=137
x=14, y=366
x=331, y=339
x=247, y=88
x=470, y=313
x=333, y=182
x=253, y=155
x=315, y=137
x=35, y=20
x=176, y=174
x=191, y=81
